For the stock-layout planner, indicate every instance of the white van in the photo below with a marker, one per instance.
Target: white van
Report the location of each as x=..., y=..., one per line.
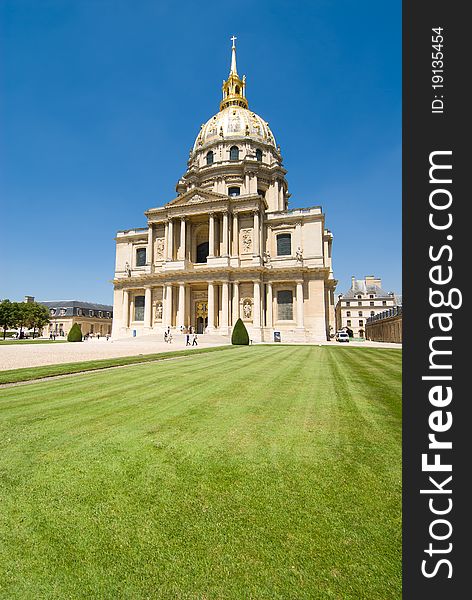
x=342, y=336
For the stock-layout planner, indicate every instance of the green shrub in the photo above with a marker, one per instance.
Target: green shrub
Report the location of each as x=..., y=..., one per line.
x=240, y=335
x=75, y=333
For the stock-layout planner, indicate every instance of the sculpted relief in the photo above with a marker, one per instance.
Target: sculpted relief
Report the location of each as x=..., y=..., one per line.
x=160, y=246
x=246, y=238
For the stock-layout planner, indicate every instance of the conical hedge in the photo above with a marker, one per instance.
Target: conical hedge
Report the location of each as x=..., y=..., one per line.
x=240, y=335
x=75, y=333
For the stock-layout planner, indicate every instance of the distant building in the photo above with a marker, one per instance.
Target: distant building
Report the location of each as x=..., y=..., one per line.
x=92, y=318
x=365, y=299
x=385, y=326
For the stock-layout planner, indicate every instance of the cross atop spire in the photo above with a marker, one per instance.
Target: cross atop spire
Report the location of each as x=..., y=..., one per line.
x=233, y=56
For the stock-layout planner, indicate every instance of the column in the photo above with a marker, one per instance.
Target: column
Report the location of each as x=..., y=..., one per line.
x=276, y=193
x=235, y=301
x=170, y=240
x=181, y=312
x=147, y=306
x=211, y=305
x=270, y=305
x=257, y=234
x=150, y=249
x=256, y=320
x=281, y=196
x=300, y=321
x=298, y=229
x=224, y=305
x=125, y=308
x=168, y=306
x=182, y=247
x=211, y=236
x=235, y=234
x=225, y=234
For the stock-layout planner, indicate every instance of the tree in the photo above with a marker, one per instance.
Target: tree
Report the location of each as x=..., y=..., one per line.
x=37, y=316
x=8, y=315
x=75, y=333
x=23, y=316
x=240, y=336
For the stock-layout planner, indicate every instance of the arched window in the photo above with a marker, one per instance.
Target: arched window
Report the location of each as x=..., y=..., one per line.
x=234, y=191
x=234, y=153
x=259, y=155
x=372, y=313
x=285, y=305
x=236, y=89
x=284, y=244
x=210, y=157
x=139, y=308
x=202, y=252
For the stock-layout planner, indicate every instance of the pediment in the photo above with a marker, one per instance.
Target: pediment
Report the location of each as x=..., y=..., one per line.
x=196, y=196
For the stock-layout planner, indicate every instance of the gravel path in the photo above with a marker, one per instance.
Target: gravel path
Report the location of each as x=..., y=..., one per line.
x=36, y=355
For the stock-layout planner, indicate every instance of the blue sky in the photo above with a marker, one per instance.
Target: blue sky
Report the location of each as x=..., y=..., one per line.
x=101, y=100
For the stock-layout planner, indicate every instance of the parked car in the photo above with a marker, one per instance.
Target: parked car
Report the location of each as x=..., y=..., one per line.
x=342, y=336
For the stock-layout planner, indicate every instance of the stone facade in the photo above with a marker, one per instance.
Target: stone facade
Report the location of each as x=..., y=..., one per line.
x=228, y=246
x=365, y=299
x=385, y=326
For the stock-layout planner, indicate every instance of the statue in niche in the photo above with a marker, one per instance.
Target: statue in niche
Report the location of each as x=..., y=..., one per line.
x=247, y=308
x=127, y=269
x=266, y=258
x=159, y=311
x=298, y=254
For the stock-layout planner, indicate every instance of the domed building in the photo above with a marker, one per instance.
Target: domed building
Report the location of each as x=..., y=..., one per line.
x=228, y=246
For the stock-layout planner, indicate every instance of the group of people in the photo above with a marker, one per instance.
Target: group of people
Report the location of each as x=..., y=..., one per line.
x=189, y=334
x=89, y=336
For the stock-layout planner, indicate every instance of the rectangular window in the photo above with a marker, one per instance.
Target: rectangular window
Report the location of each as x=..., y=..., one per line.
x=348, y=313
x=140, y=257
x=384, y=303
x=284, y=244
x=361, y=322
x=372, y=303
x=348, y=304
x=349, y=322
x=285, y=305
x=360, y=313
x=139, y=308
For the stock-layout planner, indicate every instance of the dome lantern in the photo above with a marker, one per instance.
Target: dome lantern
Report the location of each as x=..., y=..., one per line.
x=234, y=88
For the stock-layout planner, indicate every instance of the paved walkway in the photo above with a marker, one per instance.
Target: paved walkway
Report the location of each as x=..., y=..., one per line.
x=30, y=354
x=35, y=355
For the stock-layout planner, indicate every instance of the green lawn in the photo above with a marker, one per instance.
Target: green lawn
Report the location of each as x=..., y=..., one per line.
x=249, y=473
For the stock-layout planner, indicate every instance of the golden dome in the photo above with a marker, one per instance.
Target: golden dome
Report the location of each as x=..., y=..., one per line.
x=235, y=120
x=234, y=123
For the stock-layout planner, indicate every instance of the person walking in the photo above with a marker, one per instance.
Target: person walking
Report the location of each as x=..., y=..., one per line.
x=165, y=336
x=187, y=343
x=195, y=341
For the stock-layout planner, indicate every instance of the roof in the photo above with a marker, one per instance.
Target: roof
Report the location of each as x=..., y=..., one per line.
x=75, y=304
x=359, y=286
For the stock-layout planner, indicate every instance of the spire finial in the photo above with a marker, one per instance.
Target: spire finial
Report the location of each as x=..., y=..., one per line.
x=234, y=87
x=233, y=56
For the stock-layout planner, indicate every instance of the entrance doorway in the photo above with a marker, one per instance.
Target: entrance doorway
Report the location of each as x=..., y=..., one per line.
x=202, y=324
x=201, y=316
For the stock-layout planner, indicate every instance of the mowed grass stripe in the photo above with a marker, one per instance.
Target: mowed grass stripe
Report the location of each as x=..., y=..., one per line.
x=266, y=472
